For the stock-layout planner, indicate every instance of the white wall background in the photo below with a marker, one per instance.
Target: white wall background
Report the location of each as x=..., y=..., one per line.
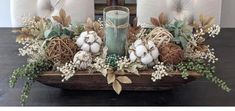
x=5, y=20
x=228, y=14
x=227, y=19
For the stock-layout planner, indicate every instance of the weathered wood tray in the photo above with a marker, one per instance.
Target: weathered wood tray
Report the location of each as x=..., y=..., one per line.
x=84, y=81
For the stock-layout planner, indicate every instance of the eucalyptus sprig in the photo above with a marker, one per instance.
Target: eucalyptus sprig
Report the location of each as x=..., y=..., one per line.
x=181, y=31
x=28, y=73
x=205, y=69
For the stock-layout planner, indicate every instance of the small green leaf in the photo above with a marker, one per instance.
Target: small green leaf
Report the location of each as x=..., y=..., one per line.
x=179, y=24
x=184, y=42
x=46, y=33
x=176, y=33
x=67, y=32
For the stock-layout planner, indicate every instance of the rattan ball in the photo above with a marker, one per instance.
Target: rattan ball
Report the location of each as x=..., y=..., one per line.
x=61, y=50
x=160, y=36
x=171, y=53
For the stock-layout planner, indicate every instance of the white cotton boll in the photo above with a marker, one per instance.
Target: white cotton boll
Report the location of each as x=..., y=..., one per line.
x=80, y=41
x=133, y=56
x=83, y=34
x=145, y=52
x=95, y=48
x=131, y=48
x=89, y=41
x=78, y=56
x=83, y=65
x=85, y=47
x=98, y=40
x=76, y=59
x=151, y=45
x=155, y=53
x=90, y=38
x=151, y=64
x=93, y=33
x=147, y=59
x=141, y=50
x=82, y=59
x=138, y=42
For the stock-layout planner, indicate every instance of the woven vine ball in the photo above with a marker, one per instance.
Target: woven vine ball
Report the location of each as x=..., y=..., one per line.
x=171, y=53
x=61, y=49
x=160, y=36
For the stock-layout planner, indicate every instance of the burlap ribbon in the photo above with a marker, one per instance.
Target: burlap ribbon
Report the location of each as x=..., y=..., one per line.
x=109, y=23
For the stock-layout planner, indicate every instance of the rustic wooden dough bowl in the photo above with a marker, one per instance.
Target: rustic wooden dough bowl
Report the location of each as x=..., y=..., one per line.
x=84, y=81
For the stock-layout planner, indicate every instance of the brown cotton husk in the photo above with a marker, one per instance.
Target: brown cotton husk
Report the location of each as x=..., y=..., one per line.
x=61, y=49
x=133, y=31
x=94, y=26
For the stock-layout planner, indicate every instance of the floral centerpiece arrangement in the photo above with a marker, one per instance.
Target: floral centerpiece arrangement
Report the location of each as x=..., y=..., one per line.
x=171, y=46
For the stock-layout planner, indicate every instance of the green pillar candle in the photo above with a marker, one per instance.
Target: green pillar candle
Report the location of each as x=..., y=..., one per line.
x=116, y=30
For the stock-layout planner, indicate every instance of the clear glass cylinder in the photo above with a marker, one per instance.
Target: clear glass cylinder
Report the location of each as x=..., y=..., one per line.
x=116, y=22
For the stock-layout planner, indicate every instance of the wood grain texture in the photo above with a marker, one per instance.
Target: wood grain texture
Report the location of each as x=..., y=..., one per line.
x=197, y=93
x=82, y=80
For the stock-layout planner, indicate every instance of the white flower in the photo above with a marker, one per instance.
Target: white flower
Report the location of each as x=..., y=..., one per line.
x=68, y=71
x=100, y=65
x=160, y=71
x=89, y=41
x=214, y=30
x=210, y=56
x=80, y=61
x=124, y=62
x=33, y=50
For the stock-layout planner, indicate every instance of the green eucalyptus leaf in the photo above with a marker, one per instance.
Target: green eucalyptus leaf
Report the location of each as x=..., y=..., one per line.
x=184, y=42
x=170, y=27
x=67, y=32
x=179, y=24
x=47, y=33
x=53, y=34
x=176, y=33
x=77, y=29
x=56, y=28
x=177, y=41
